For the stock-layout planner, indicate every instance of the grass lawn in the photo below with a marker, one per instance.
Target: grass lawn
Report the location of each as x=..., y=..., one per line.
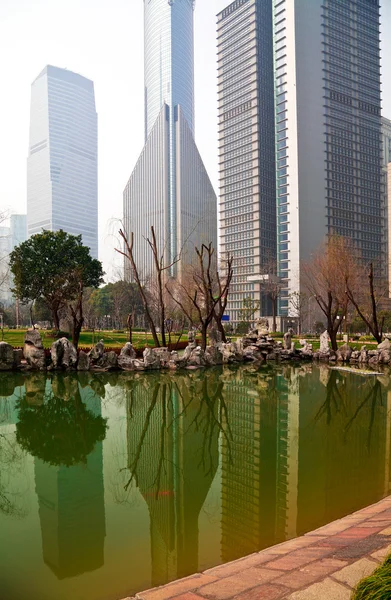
x=15, y=337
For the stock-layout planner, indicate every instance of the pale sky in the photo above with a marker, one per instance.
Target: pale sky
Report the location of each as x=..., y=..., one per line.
x=103, y=40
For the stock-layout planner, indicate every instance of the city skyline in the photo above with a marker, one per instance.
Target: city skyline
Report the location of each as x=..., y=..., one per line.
x=116, y=67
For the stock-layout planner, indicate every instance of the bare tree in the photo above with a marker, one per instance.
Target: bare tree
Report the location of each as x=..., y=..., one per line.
x=367, y=300
x=159, y=277
x=271, y=286
x=298, y=302
x=223, y=284
x=324, y=277
x=206, y=291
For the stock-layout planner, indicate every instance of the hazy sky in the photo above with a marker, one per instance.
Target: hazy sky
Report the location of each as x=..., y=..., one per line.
x=103, y=40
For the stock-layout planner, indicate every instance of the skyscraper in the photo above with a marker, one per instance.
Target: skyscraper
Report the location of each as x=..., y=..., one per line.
x=326, y=69
x=246, y=145
x=169, y=187
x=62, y=176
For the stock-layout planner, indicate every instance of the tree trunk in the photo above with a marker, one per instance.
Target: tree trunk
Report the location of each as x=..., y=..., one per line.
x=56, y=319
x=76, y=330
x=204, y=333
x=220, y=327
x=333, y=336
x=274, y=310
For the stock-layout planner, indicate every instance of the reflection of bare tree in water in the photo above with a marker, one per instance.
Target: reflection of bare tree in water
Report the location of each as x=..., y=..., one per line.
x=11, y=457
x=337, y=401
x=204, y=395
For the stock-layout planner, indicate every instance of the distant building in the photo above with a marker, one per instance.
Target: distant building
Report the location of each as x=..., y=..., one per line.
x=62, y=179
x=18, y=230
x=169, y=187
x=385, y=192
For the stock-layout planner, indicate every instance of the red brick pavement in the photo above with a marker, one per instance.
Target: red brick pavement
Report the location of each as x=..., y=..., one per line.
x=325, y=564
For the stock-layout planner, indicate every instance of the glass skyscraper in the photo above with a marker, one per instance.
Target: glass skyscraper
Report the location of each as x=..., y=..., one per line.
x=325, y=66
x=169, y=187
x=62, y=178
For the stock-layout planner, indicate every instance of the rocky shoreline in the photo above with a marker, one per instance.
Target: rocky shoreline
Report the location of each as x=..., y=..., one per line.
x=255, y=347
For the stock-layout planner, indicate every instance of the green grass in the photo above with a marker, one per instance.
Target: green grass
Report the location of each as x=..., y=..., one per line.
x=377, y=586
x=15, y=337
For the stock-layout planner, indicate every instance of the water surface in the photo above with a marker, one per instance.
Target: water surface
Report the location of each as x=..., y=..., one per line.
x=113, y=483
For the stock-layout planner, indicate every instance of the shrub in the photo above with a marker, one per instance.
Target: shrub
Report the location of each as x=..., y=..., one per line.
x=56, y=335
x=366, y=338
x=377, y=586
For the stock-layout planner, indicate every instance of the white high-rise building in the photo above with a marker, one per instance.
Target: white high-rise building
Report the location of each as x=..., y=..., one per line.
x=62, y=177
x=169, y=187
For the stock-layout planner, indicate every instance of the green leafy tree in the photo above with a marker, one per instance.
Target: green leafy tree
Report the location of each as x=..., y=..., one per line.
x=56, y=267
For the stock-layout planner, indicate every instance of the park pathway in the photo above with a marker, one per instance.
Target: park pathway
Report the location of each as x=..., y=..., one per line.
x=325, y=564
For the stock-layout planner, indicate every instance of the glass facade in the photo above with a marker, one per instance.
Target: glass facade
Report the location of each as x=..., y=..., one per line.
x=246, y=146
x=353, y=124
x=62, y=178
x=169, y=178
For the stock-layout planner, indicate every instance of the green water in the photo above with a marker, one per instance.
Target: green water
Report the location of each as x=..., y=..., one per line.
x=113, y=483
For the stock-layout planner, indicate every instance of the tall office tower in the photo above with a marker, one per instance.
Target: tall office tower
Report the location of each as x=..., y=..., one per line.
x=327, y=123
x=328, y=129
x=169, y=187
x=62, y=176
x=246, y=145
x=385, y=182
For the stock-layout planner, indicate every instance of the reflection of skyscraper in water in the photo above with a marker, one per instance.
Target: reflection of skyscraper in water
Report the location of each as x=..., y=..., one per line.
x=71, y=509
x=173, y=456
x=249, y=465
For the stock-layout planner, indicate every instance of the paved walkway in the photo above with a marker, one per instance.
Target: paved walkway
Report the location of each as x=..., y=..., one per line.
x=325, y=564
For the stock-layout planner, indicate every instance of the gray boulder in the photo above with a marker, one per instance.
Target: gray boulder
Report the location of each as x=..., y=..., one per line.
x=324, y=343
x=151, y=359
x=385, y=345
x=18, y=357
x=108, y=361
x=96, y=353
x=344, y=353
x=126, y=357
x=7, y=358
x=64, y=354
x=33, y=350
x=83, y=364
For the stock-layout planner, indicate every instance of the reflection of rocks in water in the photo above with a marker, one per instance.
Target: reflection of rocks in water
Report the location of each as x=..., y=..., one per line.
x=35, y=385
x=173, y=435
x=66, y=388
x=8, y=383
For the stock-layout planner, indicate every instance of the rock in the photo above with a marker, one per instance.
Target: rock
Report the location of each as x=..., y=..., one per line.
x=7, y=358
x=33, y=350
x=214, y=355
x=18, y=357
x=324, y=343
x=151, y=360
x=108, y=361
x=126, y=357
x=386, y=345
x=385, y=357
x=363, y=358
x=288, y=339
x=164, y=356
x=344, y=353
x=83, y=363
x=197, y=358
x=96, y=353
x=64, y=354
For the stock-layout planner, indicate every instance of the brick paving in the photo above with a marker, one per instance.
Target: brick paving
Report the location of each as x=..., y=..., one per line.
x=325, y=564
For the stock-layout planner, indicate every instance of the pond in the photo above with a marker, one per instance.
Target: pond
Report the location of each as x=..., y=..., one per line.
x=113, y=483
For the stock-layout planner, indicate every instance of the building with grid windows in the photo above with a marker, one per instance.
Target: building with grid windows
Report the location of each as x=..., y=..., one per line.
x=169, y=187
x=247, y=205
x=328, y=129
x=386, y=160
x=62, y=176
x=327, y=132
